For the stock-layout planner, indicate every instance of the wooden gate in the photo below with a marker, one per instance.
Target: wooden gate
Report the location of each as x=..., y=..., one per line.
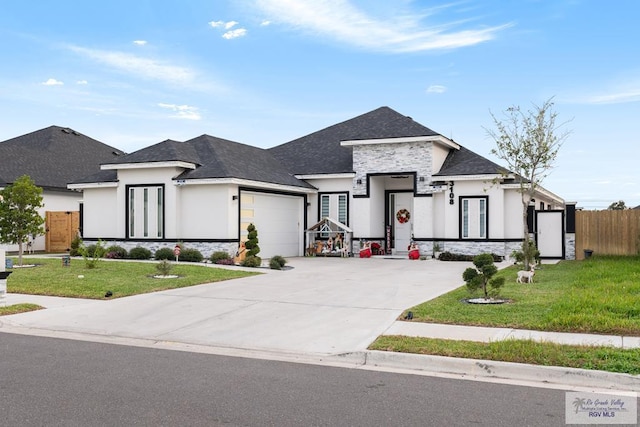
x=61, y=228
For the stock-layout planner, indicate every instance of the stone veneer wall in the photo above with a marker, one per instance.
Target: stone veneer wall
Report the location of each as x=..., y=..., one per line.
x=206, y=248
x=474, y=248
x=393, y=158
x=570, y=246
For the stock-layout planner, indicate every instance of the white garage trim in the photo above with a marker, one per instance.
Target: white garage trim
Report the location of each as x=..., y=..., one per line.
x=279, y=220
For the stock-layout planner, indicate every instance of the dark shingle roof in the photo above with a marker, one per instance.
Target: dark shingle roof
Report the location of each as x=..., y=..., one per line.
x=52, y=157
x=321, y=152
x=466, y=162
x=217, y=158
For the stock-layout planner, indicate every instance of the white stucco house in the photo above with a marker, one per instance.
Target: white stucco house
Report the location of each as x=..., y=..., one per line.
x=52, y=157
x=386, y=177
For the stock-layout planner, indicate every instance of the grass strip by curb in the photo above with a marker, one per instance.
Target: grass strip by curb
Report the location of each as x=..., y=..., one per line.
x=19, y=308
x=600, y=358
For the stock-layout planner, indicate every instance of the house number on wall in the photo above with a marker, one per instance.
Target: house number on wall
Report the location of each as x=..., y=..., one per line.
x=451, y=196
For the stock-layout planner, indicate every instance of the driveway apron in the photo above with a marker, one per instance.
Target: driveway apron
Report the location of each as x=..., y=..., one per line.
x=320, y=306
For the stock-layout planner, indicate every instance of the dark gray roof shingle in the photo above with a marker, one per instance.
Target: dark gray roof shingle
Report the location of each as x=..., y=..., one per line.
x=466, y=162
x=217, y=158
x=52, y=157
x=321, y=152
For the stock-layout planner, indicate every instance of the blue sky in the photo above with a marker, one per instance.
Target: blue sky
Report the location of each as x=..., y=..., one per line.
x=263, y=72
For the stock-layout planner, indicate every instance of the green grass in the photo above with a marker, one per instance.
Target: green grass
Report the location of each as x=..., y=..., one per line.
x=600, y=295
x=18, y=308
x=123, y=279
x=519, y=351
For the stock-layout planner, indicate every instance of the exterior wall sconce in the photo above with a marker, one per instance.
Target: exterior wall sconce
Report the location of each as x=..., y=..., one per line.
x=234, y=197
x=421, y=179
x=358, y=181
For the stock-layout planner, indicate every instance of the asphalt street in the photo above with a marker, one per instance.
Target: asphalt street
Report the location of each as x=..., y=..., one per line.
x=55, y=382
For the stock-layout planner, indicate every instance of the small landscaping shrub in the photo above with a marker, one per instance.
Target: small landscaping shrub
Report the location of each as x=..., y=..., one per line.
x=139, y=253
x=164, y=267
x=252, y=261
x=116, y=252
x=481, y=277
x=252, y=241
x=448, y=256
x=190, y=255
x=219, y=256
x=532, y=254
x=92, y=254
x=164, y=253
x=75, y=246
x=277, y=262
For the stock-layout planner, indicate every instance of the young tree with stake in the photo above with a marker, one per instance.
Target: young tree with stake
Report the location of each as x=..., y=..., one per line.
x=528, y=141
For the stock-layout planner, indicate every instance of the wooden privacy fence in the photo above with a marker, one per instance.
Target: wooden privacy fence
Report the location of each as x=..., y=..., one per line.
x=611, y=232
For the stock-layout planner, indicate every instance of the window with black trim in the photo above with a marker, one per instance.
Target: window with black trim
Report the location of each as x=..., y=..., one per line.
x=145, y=212
x=334, y=206
x=474, y=217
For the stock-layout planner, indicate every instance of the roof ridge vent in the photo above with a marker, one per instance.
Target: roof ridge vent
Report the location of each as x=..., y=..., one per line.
x=66, y=130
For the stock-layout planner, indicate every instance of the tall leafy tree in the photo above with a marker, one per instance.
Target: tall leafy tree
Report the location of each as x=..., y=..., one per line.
x=528, y=141
x=19, y=217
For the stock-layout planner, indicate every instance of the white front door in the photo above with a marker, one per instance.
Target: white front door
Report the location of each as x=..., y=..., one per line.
x=402, y=220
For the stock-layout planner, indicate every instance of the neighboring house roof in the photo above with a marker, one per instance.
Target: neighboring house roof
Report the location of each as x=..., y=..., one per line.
x=52, y=157
x=321, y=152
x=466, y=162
x=216, y=158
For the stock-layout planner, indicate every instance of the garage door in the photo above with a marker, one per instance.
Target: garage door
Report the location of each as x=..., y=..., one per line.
x=278, y=219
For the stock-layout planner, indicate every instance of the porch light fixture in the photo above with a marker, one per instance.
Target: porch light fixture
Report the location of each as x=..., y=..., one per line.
x=358, y=181
x=234, y=197
x=421, y=179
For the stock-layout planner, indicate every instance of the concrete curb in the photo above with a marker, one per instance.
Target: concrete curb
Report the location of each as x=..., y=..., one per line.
x=495, y=369
x=372, y=359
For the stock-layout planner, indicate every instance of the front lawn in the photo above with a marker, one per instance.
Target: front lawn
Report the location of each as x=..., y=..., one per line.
x=120, y=278
x=600, y=295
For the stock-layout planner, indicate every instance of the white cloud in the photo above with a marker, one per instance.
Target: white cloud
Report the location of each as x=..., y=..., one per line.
x=631, y=95
x=343, y=21
x=53, y=82
x=238, y=32
x=82, y=82
x=186, y=112
x=436, y=89
x=142, y=67
x=140, y=42
x=265, y=23
x=222, y=24
x=231, y=34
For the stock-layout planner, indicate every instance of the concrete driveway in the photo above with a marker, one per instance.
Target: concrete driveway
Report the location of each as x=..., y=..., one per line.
x=323, y=306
